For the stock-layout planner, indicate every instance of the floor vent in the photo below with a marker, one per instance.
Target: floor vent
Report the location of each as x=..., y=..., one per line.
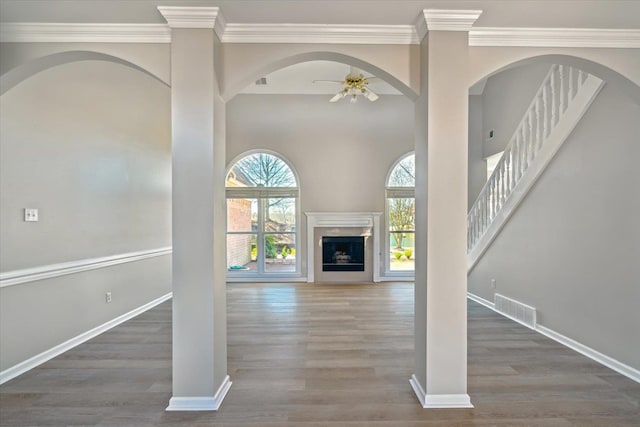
x=516, y=310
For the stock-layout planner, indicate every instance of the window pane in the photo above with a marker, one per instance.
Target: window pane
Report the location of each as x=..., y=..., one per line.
x=242, y=215
x=261, y=170
x=403, y=257
x=492, y=162
x=401, y=222
x=242, y=252
x=404, y=173
x=280, y=215
x=402, y=214
x=280, y=252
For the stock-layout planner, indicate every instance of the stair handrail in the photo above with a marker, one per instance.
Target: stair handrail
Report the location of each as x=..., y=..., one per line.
x=558, y=89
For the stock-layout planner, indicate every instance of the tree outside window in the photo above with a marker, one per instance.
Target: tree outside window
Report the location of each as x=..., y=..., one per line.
x=401, y=214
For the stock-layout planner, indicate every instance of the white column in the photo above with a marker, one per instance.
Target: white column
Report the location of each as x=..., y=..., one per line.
x=200, y=380
x=440, y=376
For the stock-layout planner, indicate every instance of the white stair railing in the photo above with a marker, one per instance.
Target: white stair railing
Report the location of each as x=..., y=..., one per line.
x=557, y=107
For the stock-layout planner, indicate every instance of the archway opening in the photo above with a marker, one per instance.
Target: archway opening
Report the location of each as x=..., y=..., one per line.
x=341, y=139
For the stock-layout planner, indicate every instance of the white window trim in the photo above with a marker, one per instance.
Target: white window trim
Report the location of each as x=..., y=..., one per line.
x=394, y=192
x=265, y=193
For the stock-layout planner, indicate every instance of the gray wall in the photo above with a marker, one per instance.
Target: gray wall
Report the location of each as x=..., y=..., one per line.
x=477, y=165
x=506, y=97
x=341, y=151
x=572, y=248
x=88, y=144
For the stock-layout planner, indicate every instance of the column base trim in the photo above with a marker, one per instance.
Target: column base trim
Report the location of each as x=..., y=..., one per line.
x=439, y=400
x=448, y=401
x=417, y=389
x=201, y=403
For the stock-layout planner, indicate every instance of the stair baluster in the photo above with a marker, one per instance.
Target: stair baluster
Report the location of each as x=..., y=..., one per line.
x=562, y=88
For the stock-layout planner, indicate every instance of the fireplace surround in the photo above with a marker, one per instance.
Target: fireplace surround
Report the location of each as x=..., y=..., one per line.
x=363, y=225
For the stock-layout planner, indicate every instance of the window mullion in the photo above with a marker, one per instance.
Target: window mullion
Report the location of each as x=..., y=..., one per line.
x=260, y=242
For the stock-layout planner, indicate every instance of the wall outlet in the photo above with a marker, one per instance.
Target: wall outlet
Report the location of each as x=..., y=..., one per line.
x=30, y=215
x=493, y=283
x=107, y=297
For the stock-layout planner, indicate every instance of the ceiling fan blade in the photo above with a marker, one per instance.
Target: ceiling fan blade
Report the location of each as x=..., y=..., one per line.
x=328, y=81
x=369, y=94
x=355, y=71
x=373, y=79
x=337, y=97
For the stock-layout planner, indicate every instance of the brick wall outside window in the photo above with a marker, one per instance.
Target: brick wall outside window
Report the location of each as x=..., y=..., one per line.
x=238, y=219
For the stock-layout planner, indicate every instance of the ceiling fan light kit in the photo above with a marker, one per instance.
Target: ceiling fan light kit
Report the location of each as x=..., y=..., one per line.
x=354, y=84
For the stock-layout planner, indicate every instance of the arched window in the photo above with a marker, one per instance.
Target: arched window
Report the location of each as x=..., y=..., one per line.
x=400, y=217
x=262, y=216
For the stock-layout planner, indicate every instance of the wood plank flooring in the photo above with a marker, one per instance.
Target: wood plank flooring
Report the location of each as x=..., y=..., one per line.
x=321, y=355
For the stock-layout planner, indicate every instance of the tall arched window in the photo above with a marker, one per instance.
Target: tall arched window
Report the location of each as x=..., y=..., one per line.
x=400, y=218
x=262, y=216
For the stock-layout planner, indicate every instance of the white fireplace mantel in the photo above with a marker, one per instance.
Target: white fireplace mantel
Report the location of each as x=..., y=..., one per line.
x=343, y=219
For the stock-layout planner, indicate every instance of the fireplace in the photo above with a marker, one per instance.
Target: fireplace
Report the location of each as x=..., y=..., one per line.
x=364, y=226
x=343, y=253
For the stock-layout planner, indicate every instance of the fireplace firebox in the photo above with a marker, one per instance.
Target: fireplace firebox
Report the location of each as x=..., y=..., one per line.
x=343, y=253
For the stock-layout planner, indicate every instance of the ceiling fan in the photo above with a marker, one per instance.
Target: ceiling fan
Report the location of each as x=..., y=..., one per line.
x=355, y=83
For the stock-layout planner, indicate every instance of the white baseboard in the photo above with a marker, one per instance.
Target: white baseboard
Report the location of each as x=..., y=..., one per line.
x=492, y=306
x=609, y=362
x=417, y=389
x=22, y=367
x=439, y=400
x=447, y=401
x=481, y=300
x=592, y=354
x=199, y=403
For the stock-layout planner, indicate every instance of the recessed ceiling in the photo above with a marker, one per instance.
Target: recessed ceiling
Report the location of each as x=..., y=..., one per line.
x=298, y=79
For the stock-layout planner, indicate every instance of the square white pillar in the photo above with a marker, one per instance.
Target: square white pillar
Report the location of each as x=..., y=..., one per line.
x=200, y=380
x=440, y=376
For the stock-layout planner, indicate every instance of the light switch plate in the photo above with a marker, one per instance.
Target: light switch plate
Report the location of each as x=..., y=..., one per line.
x=31, y=215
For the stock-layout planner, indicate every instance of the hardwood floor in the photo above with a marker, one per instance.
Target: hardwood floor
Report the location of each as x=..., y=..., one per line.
x=321, y=355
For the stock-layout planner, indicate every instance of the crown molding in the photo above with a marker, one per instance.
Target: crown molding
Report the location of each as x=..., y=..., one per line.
x=220, y=26
x=194, y=17
x=318, y=33
x=36, y=32
x=555, y=37
x=450, y=20
x=421, y=27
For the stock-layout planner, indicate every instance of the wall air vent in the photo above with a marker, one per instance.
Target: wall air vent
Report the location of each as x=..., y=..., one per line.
x=262, y=81
x=516, y=310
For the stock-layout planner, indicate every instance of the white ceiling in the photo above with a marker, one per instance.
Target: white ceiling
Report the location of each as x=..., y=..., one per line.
x=496, y=13
x=298, y=79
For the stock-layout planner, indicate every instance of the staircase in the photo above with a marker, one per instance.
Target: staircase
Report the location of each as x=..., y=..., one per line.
x=562, y=99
